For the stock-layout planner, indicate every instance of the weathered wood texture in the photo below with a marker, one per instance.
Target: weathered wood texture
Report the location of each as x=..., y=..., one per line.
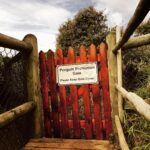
x=33, y=84
x=141, y=106
x=138, y=16
x=103, y=77
x=67, y=144
x=119, y=74
x=122, y=140
x=53, y=93
x=112, y=69
x=12, y=43
x=13, y=114
x=65, y=115
x=137, y=41
x=44, y=92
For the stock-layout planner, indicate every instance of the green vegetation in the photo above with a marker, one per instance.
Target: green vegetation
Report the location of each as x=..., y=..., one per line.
x=88, y=26
x=136, y=78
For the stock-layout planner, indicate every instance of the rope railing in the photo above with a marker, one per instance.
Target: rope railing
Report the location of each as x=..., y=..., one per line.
x=138, y=16
x=13, y=43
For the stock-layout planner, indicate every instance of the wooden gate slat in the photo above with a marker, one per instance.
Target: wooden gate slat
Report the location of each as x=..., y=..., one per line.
x=53, y=92
x=63, y=99
x=74, y=98
x=105, y=88
x=86, y=98
x=44, y=91
x=96, y=97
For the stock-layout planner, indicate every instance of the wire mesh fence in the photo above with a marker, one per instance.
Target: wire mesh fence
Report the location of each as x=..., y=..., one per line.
x=13, y=92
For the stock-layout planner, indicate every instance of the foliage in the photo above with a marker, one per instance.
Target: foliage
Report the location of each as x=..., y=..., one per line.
x=88, y=26
x=137, y=131
x=137, y=70
x=144, y=28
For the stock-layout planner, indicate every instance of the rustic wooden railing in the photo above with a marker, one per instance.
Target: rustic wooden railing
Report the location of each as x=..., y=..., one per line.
x=115, y=70
x=13, y=114
x=29, y=52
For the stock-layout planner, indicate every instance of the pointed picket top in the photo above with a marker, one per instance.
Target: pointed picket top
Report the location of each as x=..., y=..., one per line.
x=71, y=55
x=83, y=56
x=59, y=56
x=50, y=54
x=92, y=53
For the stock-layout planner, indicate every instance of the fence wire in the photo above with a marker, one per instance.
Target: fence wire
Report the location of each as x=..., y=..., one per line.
x=13, y=93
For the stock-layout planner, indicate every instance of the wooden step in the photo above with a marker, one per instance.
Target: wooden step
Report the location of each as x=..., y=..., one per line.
x=67, y=144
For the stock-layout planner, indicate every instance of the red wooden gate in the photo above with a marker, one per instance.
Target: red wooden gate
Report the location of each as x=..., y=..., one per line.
x=76, y=111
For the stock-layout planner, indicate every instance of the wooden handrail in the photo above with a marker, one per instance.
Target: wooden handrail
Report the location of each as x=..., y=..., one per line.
x=138, y=16
x=137, y=41
x=12, y=114
x=141, y=106
x=12, y=43
x=122, y=140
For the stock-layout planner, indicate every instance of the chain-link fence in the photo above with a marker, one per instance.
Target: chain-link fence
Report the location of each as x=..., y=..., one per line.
x=13, y=93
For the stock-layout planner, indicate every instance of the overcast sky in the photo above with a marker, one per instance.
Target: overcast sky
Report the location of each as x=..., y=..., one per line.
x=43, y=17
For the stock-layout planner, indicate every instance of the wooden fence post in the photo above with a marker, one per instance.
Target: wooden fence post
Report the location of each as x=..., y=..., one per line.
x=33, y=84
x=112, y=69
x=119, y=74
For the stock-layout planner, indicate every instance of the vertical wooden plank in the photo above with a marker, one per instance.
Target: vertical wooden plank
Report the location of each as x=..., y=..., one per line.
x=53, y=92
x=74, y=98
x=112, y=69
x=119, y=72
x=96, y=97
x=44, y=91
x=103, y=74
x=86, y=98
x=63, y=99
x=33, y=84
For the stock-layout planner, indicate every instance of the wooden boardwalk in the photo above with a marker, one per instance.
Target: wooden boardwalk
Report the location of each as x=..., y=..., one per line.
x=67, y=144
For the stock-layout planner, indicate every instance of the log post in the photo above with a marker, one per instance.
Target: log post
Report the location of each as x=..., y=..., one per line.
x=112, y=69
x=33, y=84
x=122, y=140
x=119, y=74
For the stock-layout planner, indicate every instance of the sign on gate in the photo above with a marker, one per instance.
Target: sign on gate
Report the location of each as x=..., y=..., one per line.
x=86, y=73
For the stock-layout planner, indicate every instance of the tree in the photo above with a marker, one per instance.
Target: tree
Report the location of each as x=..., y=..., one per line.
x=87, y=27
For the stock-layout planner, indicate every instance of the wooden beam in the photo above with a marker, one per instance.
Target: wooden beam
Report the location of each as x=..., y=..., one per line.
x=138, y=16
x=119, y=74
x=122, y=140
x=141, y=106
x=12, y=43
x=112, y=71
x=33, y=84
x=137, y=41
x=12, y=114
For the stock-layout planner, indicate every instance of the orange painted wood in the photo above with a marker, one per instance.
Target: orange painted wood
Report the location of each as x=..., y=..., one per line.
x=96, y=97
x=86, y=98
x=105, y=88
x=74, y=97
x=44, y=91
x=53, y=92
x=83, y=123
x=63, y=99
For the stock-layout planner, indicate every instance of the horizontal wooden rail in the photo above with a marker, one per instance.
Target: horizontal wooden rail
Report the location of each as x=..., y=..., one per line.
x=12, y=43
x=141, y=106
x=122, y=140
x=138, y=16
x=12, y=114
x=137, y=41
